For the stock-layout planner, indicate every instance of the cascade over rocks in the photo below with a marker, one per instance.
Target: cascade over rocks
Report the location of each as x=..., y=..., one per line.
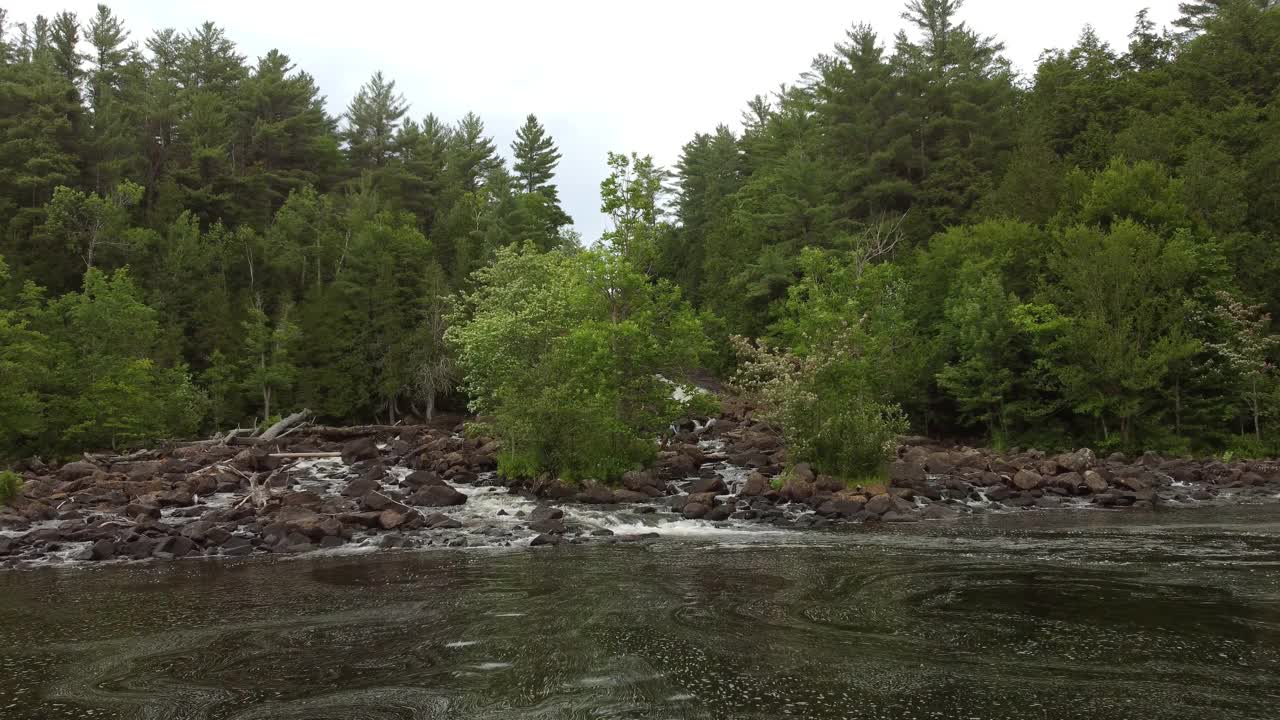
x=368, y=485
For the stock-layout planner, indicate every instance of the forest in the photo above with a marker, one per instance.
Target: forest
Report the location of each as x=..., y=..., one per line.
x=911, y=237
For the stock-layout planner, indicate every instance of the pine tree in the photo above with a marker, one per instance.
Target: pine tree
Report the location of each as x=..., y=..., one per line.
x=536, y=157
x=372, y=119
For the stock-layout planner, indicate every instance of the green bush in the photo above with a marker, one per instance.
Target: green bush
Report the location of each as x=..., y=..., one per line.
x=10, y=485
x=829, y=415
x=567, y=356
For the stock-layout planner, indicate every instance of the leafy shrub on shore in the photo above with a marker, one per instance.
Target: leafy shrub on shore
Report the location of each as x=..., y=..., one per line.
x=567, y=355
x=829, y=416
x=10, y=485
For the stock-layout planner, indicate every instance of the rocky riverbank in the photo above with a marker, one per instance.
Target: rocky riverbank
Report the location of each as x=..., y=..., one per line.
x=415, y=486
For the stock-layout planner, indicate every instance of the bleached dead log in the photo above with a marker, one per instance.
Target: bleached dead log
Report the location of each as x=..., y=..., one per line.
x=347, y=433
x=274, y=431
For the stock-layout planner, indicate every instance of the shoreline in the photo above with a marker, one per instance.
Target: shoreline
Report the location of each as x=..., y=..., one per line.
x=420, y=487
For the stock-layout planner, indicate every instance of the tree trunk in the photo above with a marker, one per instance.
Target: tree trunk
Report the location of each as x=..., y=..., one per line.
x=276, y=430
x=431, y=406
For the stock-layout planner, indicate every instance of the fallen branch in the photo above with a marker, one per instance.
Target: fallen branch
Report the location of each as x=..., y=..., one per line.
x=346, y=433
x=285, y=423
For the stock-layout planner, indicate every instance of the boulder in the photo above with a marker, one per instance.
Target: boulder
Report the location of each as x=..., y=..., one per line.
x=718, y=514
x=545, y=512
x=902, y=471
x=391, y=519
x=1094, y=482
x=545, y=539
x=803, y=472
x=423, y=478
x=840, y=507
x=880, y=504
x=548, y=526
x=440, y=521
x=104, y=549
x=361, y=487
x=938, y=512
x=629, y=496
x=236, y=546
x=76, y=470
x=1027, y=480
x=1134, y=483
x=756, y=484
x=138, y=549
x=437, y=496
x=595, y=495
x=641, y=481
x=693, y=511
x=714, y=485
x=359, y=449
x=376, y=502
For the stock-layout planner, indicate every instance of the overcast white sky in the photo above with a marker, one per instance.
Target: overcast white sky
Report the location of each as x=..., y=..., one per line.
x=601, y=75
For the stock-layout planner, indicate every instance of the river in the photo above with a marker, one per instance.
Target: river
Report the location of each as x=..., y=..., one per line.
x=1071, y=614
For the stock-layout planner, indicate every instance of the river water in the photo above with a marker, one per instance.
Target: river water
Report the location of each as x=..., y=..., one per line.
x=1055, y=615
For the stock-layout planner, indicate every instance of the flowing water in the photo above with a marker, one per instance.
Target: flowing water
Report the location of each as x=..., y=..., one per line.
x=1093, y=615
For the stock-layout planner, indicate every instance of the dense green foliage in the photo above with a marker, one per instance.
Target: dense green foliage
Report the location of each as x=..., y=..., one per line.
x=192, y=241
x=569, y=355
x=911, y=234
x=1086, y=255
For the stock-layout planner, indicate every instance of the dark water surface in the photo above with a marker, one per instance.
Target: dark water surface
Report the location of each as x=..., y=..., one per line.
x=1036, y=615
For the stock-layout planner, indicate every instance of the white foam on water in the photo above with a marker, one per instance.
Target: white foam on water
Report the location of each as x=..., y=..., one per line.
x=461, y=643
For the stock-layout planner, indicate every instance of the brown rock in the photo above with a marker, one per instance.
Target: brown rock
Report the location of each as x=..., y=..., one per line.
x=1027, y=480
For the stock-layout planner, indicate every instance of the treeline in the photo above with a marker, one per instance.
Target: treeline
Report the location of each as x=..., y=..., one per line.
x=1088, y=255
x=192, y=241
x=909, y=236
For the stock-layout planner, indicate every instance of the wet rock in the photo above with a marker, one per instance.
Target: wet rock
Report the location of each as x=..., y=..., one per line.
x=236, y=546
x=629, y=496
x=714, y=485
x=331, y=541
x=895, y=516
x=939, y=463
x=136, y=510
x=361, y=487
x=1201, y=495
x=376, y=502
x=595, y=495
x=548, y=526
x=76, y=470
x=423, y=478
x=545, y=512
x=391, y=519
x=1071, y=481
x=797, y=491
x=693, y=511
x=437, y=496
x=756, y=485
x=642, y=481
x=718, y=514
x=1027, y=480
x=440, y=521
x=938, y=512
x=1094, y=482
x=305, y=498
x=545, y=539
x=881, y=504
x=103, y=549
x=840, y=507
x=137, y=549
x=176, y=546
x=364, y=448
x=901, y=471
x=1134, y=483
x=803, y=472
